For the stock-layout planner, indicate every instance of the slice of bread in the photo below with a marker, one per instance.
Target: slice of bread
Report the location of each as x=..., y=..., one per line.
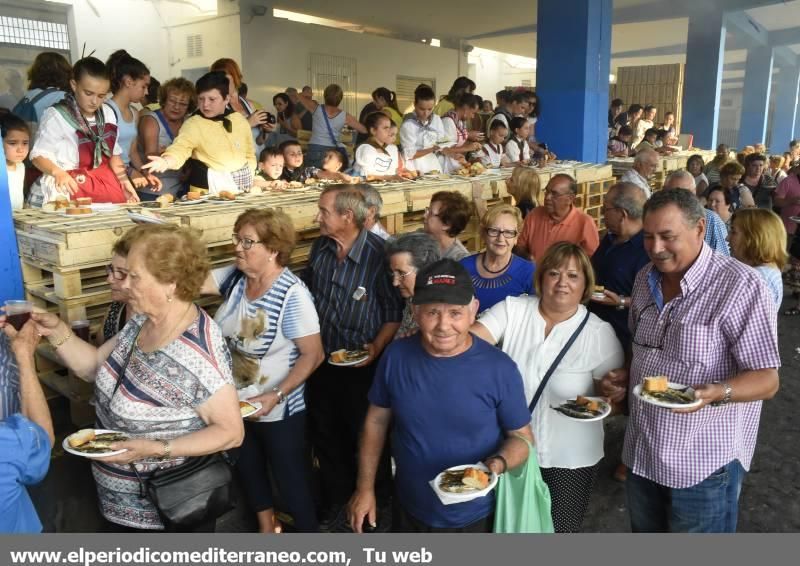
x=590, y=404
x=655, y=384
x=339, y=356
x=81, y=437
x=475, y=478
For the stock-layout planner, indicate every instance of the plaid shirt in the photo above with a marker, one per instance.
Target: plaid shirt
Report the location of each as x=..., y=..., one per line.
x=344, y=321
x=723, y=322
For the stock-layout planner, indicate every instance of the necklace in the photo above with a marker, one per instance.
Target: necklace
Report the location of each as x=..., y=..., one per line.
x=138, y=337
x=501, y=270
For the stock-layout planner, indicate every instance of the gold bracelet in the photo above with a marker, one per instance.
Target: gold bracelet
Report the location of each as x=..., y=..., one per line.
x=167, y=450
x=59, y=343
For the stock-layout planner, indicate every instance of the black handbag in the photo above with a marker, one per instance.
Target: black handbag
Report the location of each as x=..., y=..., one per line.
x=199, y=490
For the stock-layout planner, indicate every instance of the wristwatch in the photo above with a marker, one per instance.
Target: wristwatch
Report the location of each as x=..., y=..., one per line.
x=622, y=305
x=279, y=393
x=726, y=398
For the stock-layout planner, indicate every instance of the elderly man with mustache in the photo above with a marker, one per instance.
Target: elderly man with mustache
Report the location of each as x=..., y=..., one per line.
x=707, y=321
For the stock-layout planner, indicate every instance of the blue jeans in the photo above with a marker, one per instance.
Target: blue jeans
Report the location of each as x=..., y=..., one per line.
x=711, y=506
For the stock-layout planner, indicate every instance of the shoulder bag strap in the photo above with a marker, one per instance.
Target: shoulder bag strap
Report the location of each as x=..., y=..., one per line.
x=125, y=365
x=321, y=108
x=557, y=361
x=160, y=117
x=42, y=94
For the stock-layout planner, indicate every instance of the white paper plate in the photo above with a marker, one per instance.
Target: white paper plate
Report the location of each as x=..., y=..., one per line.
x=67, y=448
x=638, y=392
x=256, y=407
x=104, y=207
x=448, y=498
x=347, y=364
x=63, y=212
x=598, y=296
x=187, y=202
x=795, y=219
x=143, y=219
x=600, y=417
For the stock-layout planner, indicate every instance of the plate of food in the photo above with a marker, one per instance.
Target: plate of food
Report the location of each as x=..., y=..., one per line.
x=192, y=197
x=464, y=483
x=104, y=207
x=93, y=442
x=584, y=409
x=223, y=196
x=661, y=392
x=344, y=358
x=78, y=212
x=249, y=407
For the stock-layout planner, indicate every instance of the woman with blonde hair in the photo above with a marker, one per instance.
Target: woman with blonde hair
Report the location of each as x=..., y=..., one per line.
x=533, y=331
x=757, y=238
x=776, y=167
x=524, y=186
x=496, y=272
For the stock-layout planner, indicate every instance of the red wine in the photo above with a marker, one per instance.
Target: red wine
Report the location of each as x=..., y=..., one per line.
x=81, y=330
x=19, y=319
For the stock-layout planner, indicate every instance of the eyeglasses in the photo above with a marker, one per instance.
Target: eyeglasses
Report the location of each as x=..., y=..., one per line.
x=663, y=327
x=247, y=243
x=507, y=234
x=117, y=274
x=429, y=213
x=177, y=103
x=553, y=194
x=399, y=275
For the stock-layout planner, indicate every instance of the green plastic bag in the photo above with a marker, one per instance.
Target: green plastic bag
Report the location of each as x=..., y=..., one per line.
x=523, y=499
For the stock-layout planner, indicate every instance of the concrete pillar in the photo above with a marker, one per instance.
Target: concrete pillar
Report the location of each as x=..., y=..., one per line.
x=705, y=55
x=755, y=98
x=573, y=62
x=10, y=272
x=784, y=121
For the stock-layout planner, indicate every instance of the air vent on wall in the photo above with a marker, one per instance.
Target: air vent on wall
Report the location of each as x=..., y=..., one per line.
x=194, y=45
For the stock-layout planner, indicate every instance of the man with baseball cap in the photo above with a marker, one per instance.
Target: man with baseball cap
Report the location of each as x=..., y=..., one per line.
x=450, y=399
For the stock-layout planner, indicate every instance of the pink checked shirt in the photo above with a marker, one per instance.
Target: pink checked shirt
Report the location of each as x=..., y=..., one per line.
x=723, y=322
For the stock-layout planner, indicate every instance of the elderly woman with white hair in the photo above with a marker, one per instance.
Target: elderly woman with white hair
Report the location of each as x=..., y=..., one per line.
x=406, y=255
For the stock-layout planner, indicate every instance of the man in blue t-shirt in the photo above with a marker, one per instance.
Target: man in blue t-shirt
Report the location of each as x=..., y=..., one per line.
x=450, y=399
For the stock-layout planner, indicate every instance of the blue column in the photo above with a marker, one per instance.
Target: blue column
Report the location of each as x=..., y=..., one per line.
x=785, y=118
x=10, y=273
x=755, y=98
x=705, y=55
x=573, y=62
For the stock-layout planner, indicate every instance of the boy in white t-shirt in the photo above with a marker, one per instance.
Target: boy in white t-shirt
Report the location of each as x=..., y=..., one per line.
x=517, y=149
x=16, y=144
x=493, y=153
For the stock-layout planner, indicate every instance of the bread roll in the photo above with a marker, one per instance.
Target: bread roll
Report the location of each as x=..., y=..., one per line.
x=194, y=195
x=655, y=384
x=84, y=201
x=81, y=437
x=339, y=356
x=227, y=195
x=590, y=404
x=473, y=477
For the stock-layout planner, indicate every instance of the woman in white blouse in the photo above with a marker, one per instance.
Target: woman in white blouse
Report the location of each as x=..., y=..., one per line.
x=533, y=330
x=422, y=134
x=377, y=158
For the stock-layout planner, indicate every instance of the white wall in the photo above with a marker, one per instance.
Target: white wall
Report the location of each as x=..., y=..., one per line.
x=494, y=71
x=276, y=54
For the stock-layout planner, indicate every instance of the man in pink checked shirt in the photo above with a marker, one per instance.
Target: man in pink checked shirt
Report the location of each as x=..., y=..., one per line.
x=707, y=321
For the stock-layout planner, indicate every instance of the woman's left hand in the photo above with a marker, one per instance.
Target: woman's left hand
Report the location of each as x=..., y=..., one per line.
x=268, y=402
x=475, y=135
x=611, y=299
x=137, y=449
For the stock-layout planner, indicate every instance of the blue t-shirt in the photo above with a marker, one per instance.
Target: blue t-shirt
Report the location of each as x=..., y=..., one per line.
x=615, y=268
x=446, y=412
x=516, y=281
x=24, y=460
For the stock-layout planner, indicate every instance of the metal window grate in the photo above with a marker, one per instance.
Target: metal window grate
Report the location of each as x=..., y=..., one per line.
x=405, y=87
x=194, y=45
x=333, y=69
x=37, y=33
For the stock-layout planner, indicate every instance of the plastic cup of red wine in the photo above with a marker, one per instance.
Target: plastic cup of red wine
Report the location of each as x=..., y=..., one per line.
x=18, y=313
x=81, y=329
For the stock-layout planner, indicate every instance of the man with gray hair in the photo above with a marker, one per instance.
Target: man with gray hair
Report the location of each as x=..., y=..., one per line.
x=374, y=204
x=620, y=256
x=358, y=310
x=716, y=232
x=708, y=321
x=644, y=165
